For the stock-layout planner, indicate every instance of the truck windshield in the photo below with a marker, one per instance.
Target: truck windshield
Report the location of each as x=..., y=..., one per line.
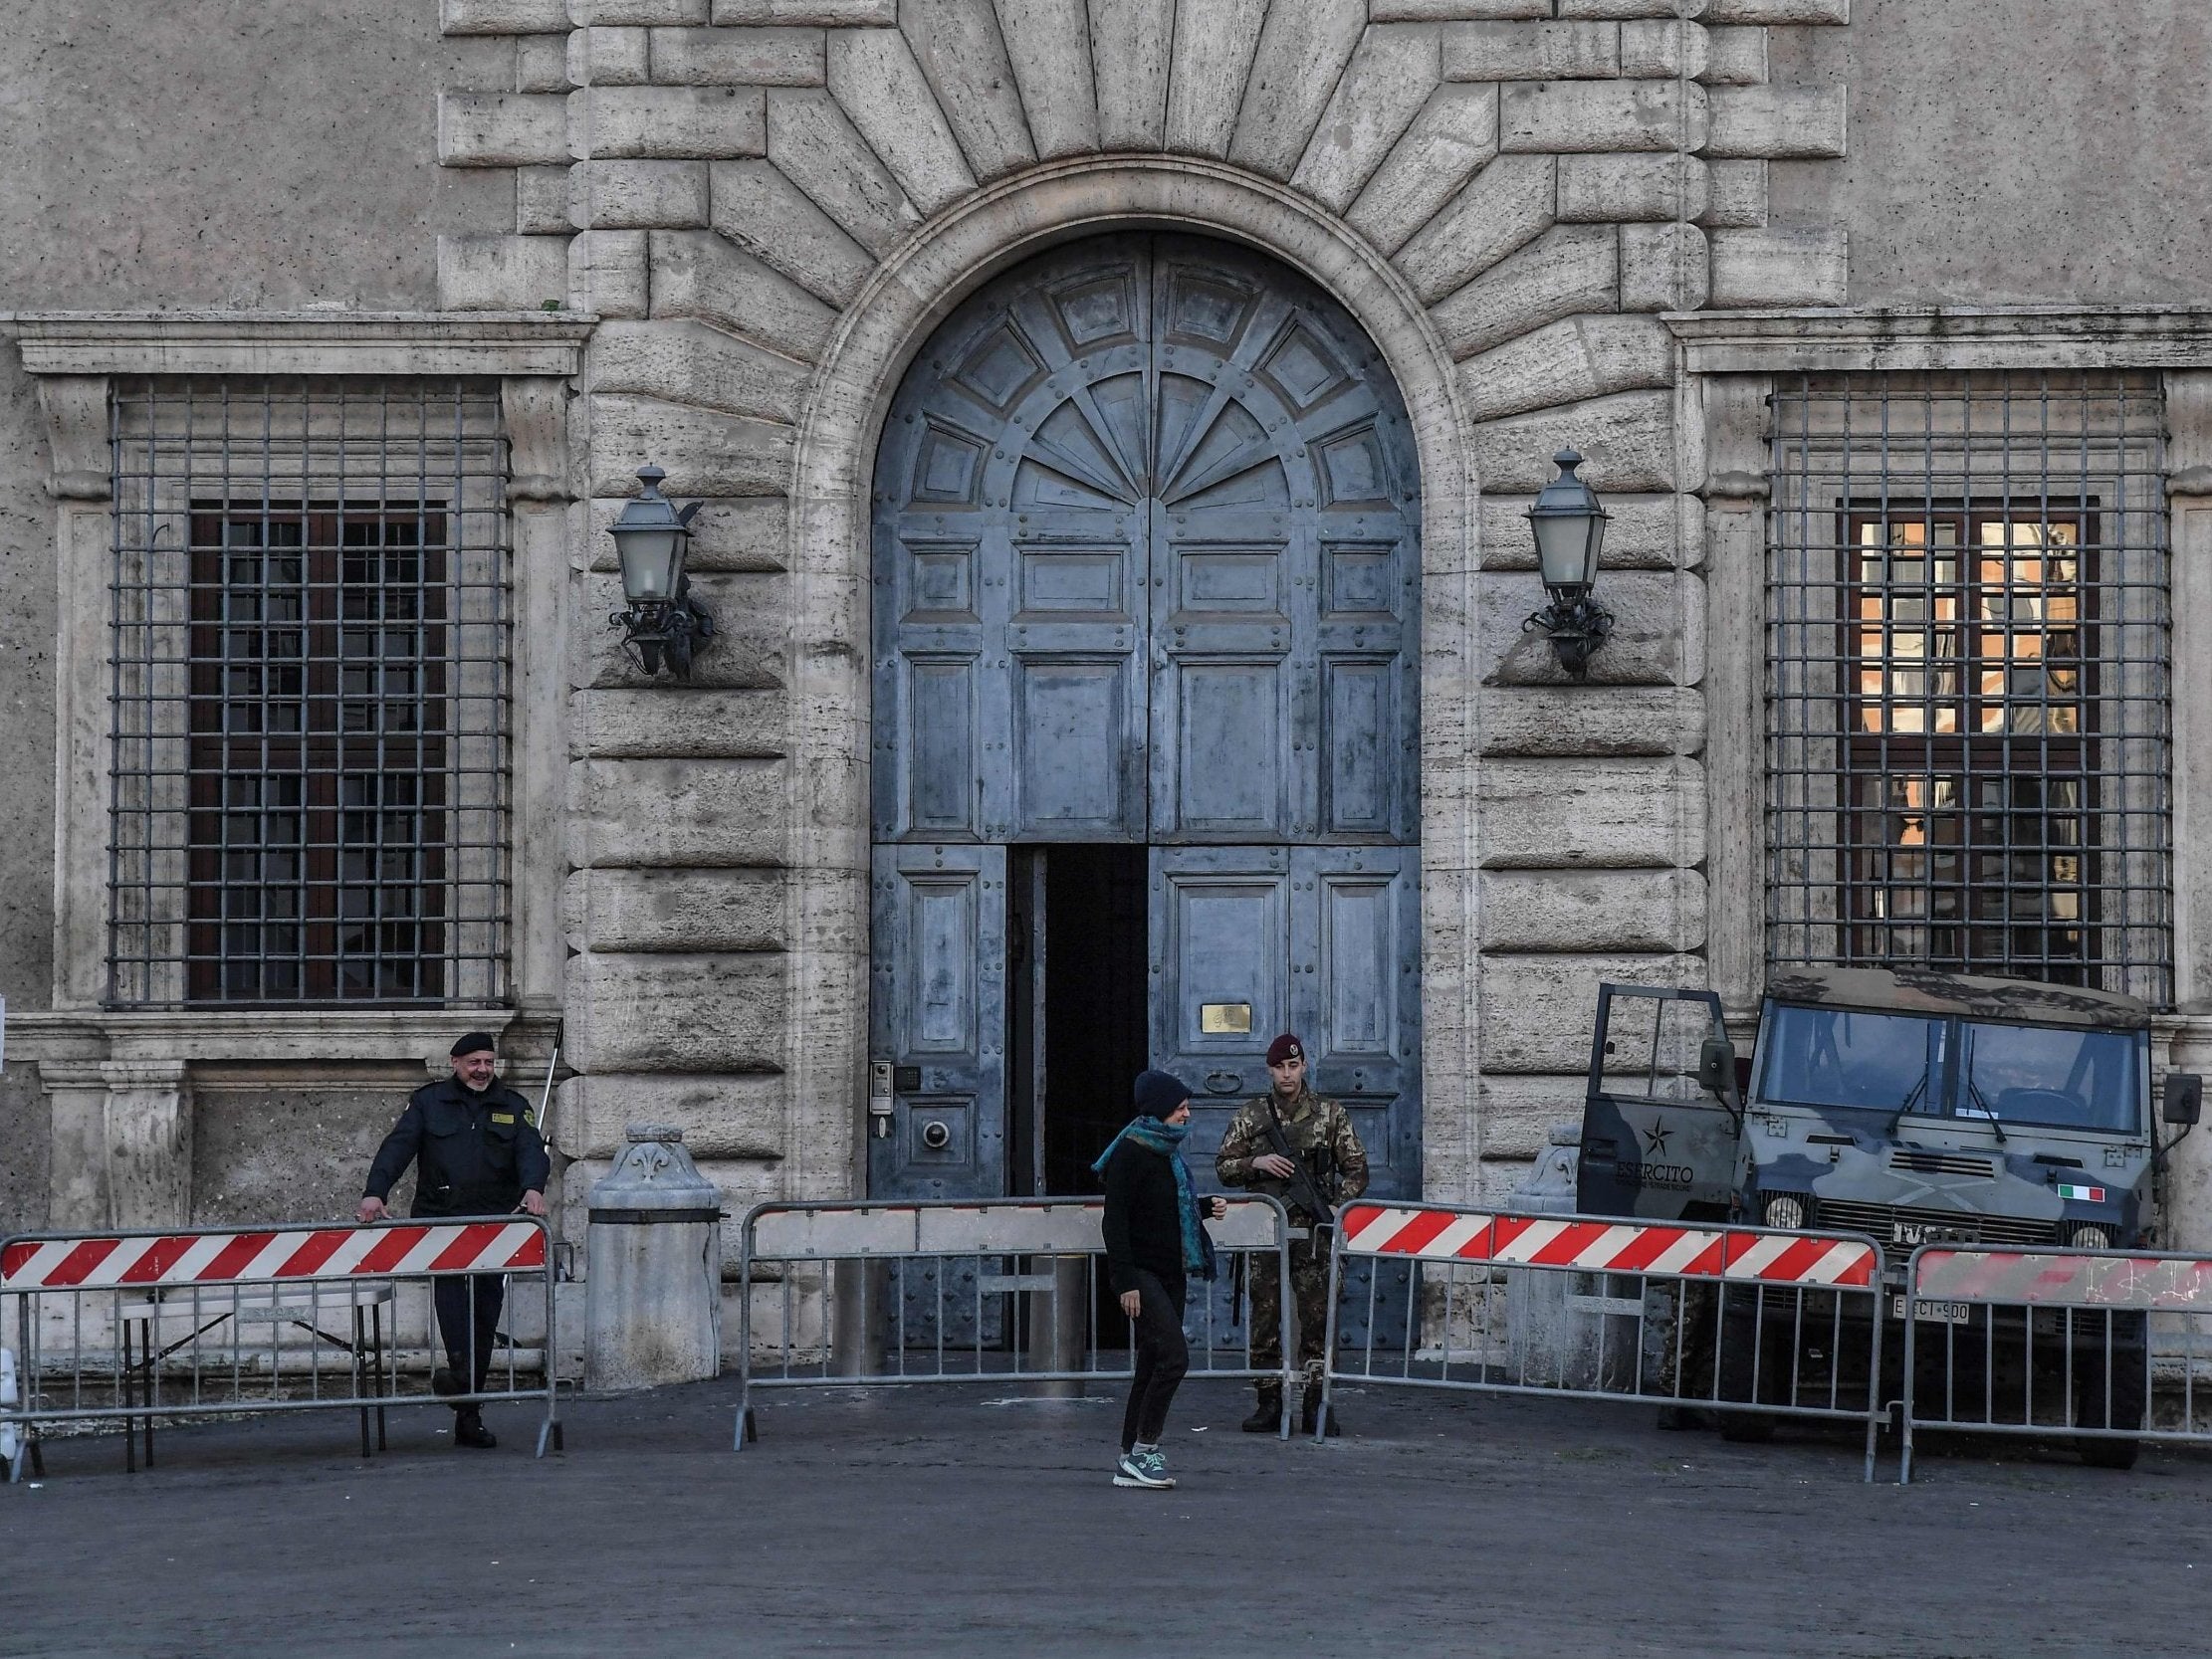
x=2062, y=1078
x=1843, y=1056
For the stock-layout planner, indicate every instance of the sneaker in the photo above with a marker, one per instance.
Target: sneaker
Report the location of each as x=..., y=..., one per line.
x=1146, y=1469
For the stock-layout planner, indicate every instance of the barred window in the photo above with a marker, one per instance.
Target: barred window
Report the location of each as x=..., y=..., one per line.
x=309, y=692
x=1967, y=676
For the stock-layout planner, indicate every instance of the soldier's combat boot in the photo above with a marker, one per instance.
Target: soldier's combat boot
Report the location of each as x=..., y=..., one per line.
x=1267, y=1417
x=469, y=1430
x=1312, y=1414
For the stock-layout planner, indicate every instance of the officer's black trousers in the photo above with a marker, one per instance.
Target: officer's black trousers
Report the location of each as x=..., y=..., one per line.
x=1161, y=1358
x=468, y=1307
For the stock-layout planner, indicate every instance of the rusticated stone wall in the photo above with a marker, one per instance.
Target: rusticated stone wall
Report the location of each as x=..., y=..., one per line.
x=743, y=189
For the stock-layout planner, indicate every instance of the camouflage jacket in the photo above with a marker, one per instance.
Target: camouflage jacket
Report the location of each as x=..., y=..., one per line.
x=1321, y=1136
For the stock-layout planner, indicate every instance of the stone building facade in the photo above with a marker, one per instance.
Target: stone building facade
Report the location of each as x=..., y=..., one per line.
x=415, y=290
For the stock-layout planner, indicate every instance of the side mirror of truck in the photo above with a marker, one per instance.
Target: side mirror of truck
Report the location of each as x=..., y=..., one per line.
x=1716, y=1066
x=2184, y=1098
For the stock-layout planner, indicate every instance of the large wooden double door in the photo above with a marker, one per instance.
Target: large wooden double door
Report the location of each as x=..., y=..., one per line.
x=1146, y=563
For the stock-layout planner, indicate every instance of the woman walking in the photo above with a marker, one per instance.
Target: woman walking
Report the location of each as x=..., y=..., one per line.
x=1154, y=1241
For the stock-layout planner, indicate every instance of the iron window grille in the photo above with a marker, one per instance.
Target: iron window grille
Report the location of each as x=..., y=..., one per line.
x=1967, y=679
x=309, y=692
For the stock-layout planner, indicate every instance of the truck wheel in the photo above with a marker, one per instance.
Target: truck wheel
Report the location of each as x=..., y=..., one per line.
x=2123, y=1408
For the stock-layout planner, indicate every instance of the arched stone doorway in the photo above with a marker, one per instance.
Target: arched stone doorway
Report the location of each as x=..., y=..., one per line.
x=1144, y=757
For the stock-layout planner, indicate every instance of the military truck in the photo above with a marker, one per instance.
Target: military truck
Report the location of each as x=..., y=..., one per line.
x=1913, y=1105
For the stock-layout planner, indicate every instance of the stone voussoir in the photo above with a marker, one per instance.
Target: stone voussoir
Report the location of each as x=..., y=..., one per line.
x=1505, y=206
x=702, y=273
x=686, y=361
x=1569, y=269
x=762, y=210
x=1567, y=361
x=1454, y=133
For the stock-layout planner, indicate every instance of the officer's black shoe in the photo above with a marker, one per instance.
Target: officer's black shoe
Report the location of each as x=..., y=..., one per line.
x=443, y=1381
x=1267, y=1417
x=1311, y=1414
x=469, y=1430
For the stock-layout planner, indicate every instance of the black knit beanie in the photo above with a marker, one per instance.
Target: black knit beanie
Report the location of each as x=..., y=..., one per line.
x=1159, y=1093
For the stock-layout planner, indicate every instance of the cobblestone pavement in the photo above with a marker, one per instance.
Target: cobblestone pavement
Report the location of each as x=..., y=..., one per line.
x=957, y=1523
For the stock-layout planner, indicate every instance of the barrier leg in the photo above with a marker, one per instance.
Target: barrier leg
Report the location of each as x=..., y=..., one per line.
x=382, y=1379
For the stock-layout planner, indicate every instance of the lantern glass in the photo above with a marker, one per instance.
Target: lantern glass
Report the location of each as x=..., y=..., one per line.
x=652, y=560
x=1567, y=549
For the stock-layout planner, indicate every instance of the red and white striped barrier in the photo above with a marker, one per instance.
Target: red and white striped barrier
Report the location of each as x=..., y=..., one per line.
x=229, y=1258
x=2171, y=1284
x=1669, y=1248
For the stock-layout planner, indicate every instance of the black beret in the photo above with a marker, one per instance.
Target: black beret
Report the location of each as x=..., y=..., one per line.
x=475, y=1042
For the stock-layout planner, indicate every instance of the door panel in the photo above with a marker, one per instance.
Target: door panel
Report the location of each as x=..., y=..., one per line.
x=939, y=1015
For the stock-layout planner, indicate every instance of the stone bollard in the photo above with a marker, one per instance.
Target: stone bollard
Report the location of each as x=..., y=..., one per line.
x=653, y=1273
x=1556, y=1321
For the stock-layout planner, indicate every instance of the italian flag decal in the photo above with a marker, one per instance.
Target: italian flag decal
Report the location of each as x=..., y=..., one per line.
x=2087, y=1194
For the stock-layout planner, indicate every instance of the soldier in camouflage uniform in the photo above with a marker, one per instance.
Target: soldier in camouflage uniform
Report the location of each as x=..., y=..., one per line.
x=1320, y=1134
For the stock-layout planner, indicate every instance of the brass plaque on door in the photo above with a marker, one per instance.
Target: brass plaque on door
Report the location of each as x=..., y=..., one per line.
x=1225, y=1018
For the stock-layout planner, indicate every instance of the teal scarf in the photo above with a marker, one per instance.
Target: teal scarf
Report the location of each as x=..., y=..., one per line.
x=1166, y=1140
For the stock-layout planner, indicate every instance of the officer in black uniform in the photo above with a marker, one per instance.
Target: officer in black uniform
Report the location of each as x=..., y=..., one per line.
x=477, y=1151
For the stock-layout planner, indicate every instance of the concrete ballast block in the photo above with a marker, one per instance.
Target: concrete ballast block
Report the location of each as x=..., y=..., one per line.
x=502, y=129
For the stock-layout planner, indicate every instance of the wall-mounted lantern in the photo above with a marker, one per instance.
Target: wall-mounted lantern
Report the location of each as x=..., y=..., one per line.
x=1569, y=526
x=664, y=624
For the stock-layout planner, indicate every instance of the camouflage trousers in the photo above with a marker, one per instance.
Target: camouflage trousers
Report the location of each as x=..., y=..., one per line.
x=1309, y=1285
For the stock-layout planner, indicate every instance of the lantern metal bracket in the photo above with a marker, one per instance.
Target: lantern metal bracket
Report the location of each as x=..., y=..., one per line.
x=1576, y=627
x=667, y=631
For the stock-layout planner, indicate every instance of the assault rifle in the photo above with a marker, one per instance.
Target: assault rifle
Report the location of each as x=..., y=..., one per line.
x=1304, y=1191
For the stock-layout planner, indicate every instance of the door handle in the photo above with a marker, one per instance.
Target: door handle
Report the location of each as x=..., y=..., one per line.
x=1222, y=1083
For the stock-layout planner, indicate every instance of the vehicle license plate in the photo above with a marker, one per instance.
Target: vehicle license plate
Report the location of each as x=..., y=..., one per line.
x=1926, y=1232
x=1937, y=1312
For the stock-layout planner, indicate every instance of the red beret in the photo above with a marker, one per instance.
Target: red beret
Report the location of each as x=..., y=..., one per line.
x=1285, y=1047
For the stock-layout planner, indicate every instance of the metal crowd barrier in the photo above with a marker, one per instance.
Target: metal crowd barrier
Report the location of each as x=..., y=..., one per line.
x=2055, y=1342
x=1746, y=1322
x=879, y=1295
x=140, y=1326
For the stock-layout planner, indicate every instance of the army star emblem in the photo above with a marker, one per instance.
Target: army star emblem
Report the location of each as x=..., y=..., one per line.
x=1654, y=1138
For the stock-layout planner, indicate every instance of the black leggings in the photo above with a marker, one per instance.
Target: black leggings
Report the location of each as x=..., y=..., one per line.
x=1163, y=1356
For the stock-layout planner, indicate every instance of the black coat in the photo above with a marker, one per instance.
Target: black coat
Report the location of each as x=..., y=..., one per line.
x=475, y=1154
x=1143, y=1225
